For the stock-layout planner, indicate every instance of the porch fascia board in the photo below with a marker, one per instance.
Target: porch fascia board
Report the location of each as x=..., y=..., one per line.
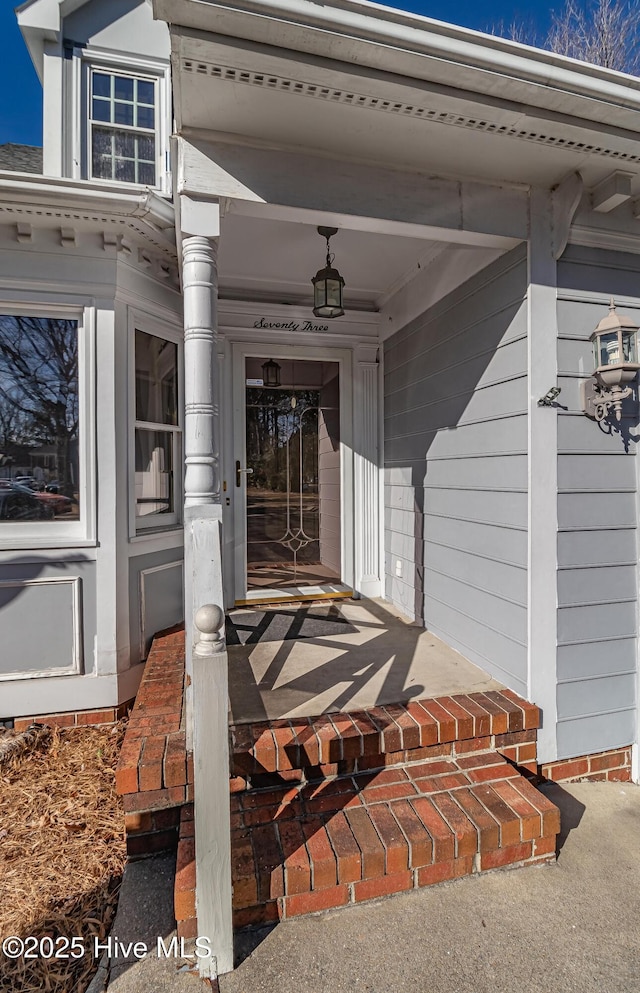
x=417, y=47
x=369, y=197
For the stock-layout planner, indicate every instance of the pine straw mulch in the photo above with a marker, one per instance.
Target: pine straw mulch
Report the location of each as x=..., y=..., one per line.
x=62, y=852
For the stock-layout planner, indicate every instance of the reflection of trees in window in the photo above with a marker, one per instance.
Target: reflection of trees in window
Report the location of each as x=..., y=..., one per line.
x=39, y=408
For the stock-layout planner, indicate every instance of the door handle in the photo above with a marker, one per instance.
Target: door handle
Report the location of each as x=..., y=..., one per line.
x=239, y=470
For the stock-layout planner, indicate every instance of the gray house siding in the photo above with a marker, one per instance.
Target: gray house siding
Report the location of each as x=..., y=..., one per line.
x=597, y=514
x=455, y=428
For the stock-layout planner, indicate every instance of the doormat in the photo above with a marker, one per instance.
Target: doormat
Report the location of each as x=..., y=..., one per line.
x=279, y=623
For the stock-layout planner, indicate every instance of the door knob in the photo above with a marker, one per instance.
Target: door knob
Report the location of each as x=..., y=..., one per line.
x=239, y=471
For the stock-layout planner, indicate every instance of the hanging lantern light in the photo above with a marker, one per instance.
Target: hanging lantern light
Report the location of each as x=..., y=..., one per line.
x=271, y=374
x=328, y=284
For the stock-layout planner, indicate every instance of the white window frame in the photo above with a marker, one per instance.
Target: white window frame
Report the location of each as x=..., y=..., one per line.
x=61, y=533
x=86, y=60
x=152, y=524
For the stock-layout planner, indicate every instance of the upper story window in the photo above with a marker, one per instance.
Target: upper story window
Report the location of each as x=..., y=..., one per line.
x=123, y=127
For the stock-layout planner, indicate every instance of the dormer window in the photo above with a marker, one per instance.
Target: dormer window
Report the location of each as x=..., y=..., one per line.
x=123, y=127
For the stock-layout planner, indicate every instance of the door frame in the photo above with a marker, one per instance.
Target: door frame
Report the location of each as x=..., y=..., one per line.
x=344, y=357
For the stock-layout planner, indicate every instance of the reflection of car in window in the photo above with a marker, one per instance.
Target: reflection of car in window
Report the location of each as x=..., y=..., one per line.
x=19, y=504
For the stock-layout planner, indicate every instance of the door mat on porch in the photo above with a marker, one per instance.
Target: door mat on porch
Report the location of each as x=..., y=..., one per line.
x=278, y=623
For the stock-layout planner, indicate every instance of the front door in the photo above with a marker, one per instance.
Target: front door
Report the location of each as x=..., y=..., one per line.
x=288, y=478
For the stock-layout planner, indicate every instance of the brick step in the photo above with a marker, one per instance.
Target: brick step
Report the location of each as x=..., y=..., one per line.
x=304, y=848
x=335, y=744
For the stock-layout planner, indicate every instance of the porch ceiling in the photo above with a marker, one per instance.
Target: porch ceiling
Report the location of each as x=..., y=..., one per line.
x=273, y=261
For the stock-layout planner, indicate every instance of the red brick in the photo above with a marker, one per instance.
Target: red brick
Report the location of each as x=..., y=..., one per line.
x=127, y=770
x=545, y=846
x=141, y=845
x=138, y=823
x=426, y=722
x=395, y=845
x=155, y=799
x=394, y=791
x=499, y=717
x=279, y=798
x=346, y=849
x=418, y=838
x=509, y=822
x=287, y=749
x=481, y=718
x=464, y=830
x=150, y=764
x=425, y=769
x=610, y=760
x=304, y=741
x=264, y=913
x=321, y=855
x=441, y=833
x=264, y=748
x=530, y=822
x=381, y=777
x=268, y=859
x=370, y=889
x=371, y=848
x=549, y=813
x=310, y=903
x=530, y=711
x=243, y=872
x=527, y=753
x=515, y=738
x=371, y=740
x=329, y=745
x=237, y=784
x=446, y=723
x=464, y=720
x=514, y=712
x=506, y=856
x=436, y=784
x=439, y=872
x=390, y=733
x=88, y=717
x=297, y=871
x=349, y=735
x=619, y=775
x=563, y=771
x=187, y=929
x=175, y=760
x=486, y=825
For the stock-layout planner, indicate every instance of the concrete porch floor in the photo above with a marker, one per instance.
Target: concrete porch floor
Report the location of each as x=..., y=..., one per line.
x=371, y=655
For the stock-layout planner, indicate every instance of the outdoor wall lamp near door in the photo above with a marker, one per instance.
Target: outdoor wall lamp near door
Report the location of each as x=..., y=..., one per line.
x=615, y=346
x=328, y=284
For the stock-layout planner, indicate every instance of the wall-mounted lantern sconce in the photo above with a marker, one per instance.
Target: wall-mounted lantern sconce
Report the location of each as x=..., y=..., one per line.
x=271, y=374
x=615, y=347
x=328, y=284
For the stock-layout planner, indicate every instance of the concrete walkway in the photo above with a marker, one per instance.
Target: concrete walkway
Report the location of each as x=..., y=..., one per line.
x=573, y=926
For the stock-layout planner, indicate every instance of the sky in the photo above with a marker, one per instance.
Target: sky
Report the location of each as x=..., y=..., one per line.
x=21, y=100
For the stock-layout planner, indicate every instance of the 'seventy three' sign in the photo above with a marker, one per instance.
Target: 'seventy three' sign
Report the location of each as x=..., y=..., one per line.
x=289, y=325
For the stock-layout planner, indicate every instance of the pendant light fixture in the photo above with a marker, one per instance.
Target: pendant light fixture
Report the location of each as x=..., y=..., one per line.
x=271, y=374
x=328, y=284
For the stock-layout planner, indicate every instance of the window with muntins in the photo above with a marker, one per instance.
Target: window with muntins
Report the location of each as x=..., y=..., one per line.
x=157, y=431
x=123, y=127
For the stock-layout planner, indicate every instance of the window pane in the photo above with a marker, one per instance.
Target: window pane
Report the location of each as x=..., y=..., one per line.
x=124, y=88
x=39, y=414
x=154, y=472
x=125, y=144
x=123, y=113
x=147, y=173
x=156, y=379
x=146, y=117
x=147, y=148
x=101, y=158
x=146, y=92
x=101, y=84
x=125, y=170
x=101, y=110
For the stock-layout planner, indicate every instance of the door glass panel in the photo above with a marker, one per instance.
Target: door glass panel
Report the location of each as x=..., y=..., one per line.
x=293, y=491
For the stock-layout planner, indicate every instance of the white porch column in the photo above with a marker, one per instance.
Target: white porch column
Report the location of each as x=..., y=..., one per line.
x=200, y=228
x=542, y=619
x=367, y=472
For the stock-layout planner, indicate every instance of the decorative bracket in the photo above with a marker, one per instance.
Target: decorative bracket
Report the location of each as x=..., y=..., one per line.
x=565, y=199
x=597, y=401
